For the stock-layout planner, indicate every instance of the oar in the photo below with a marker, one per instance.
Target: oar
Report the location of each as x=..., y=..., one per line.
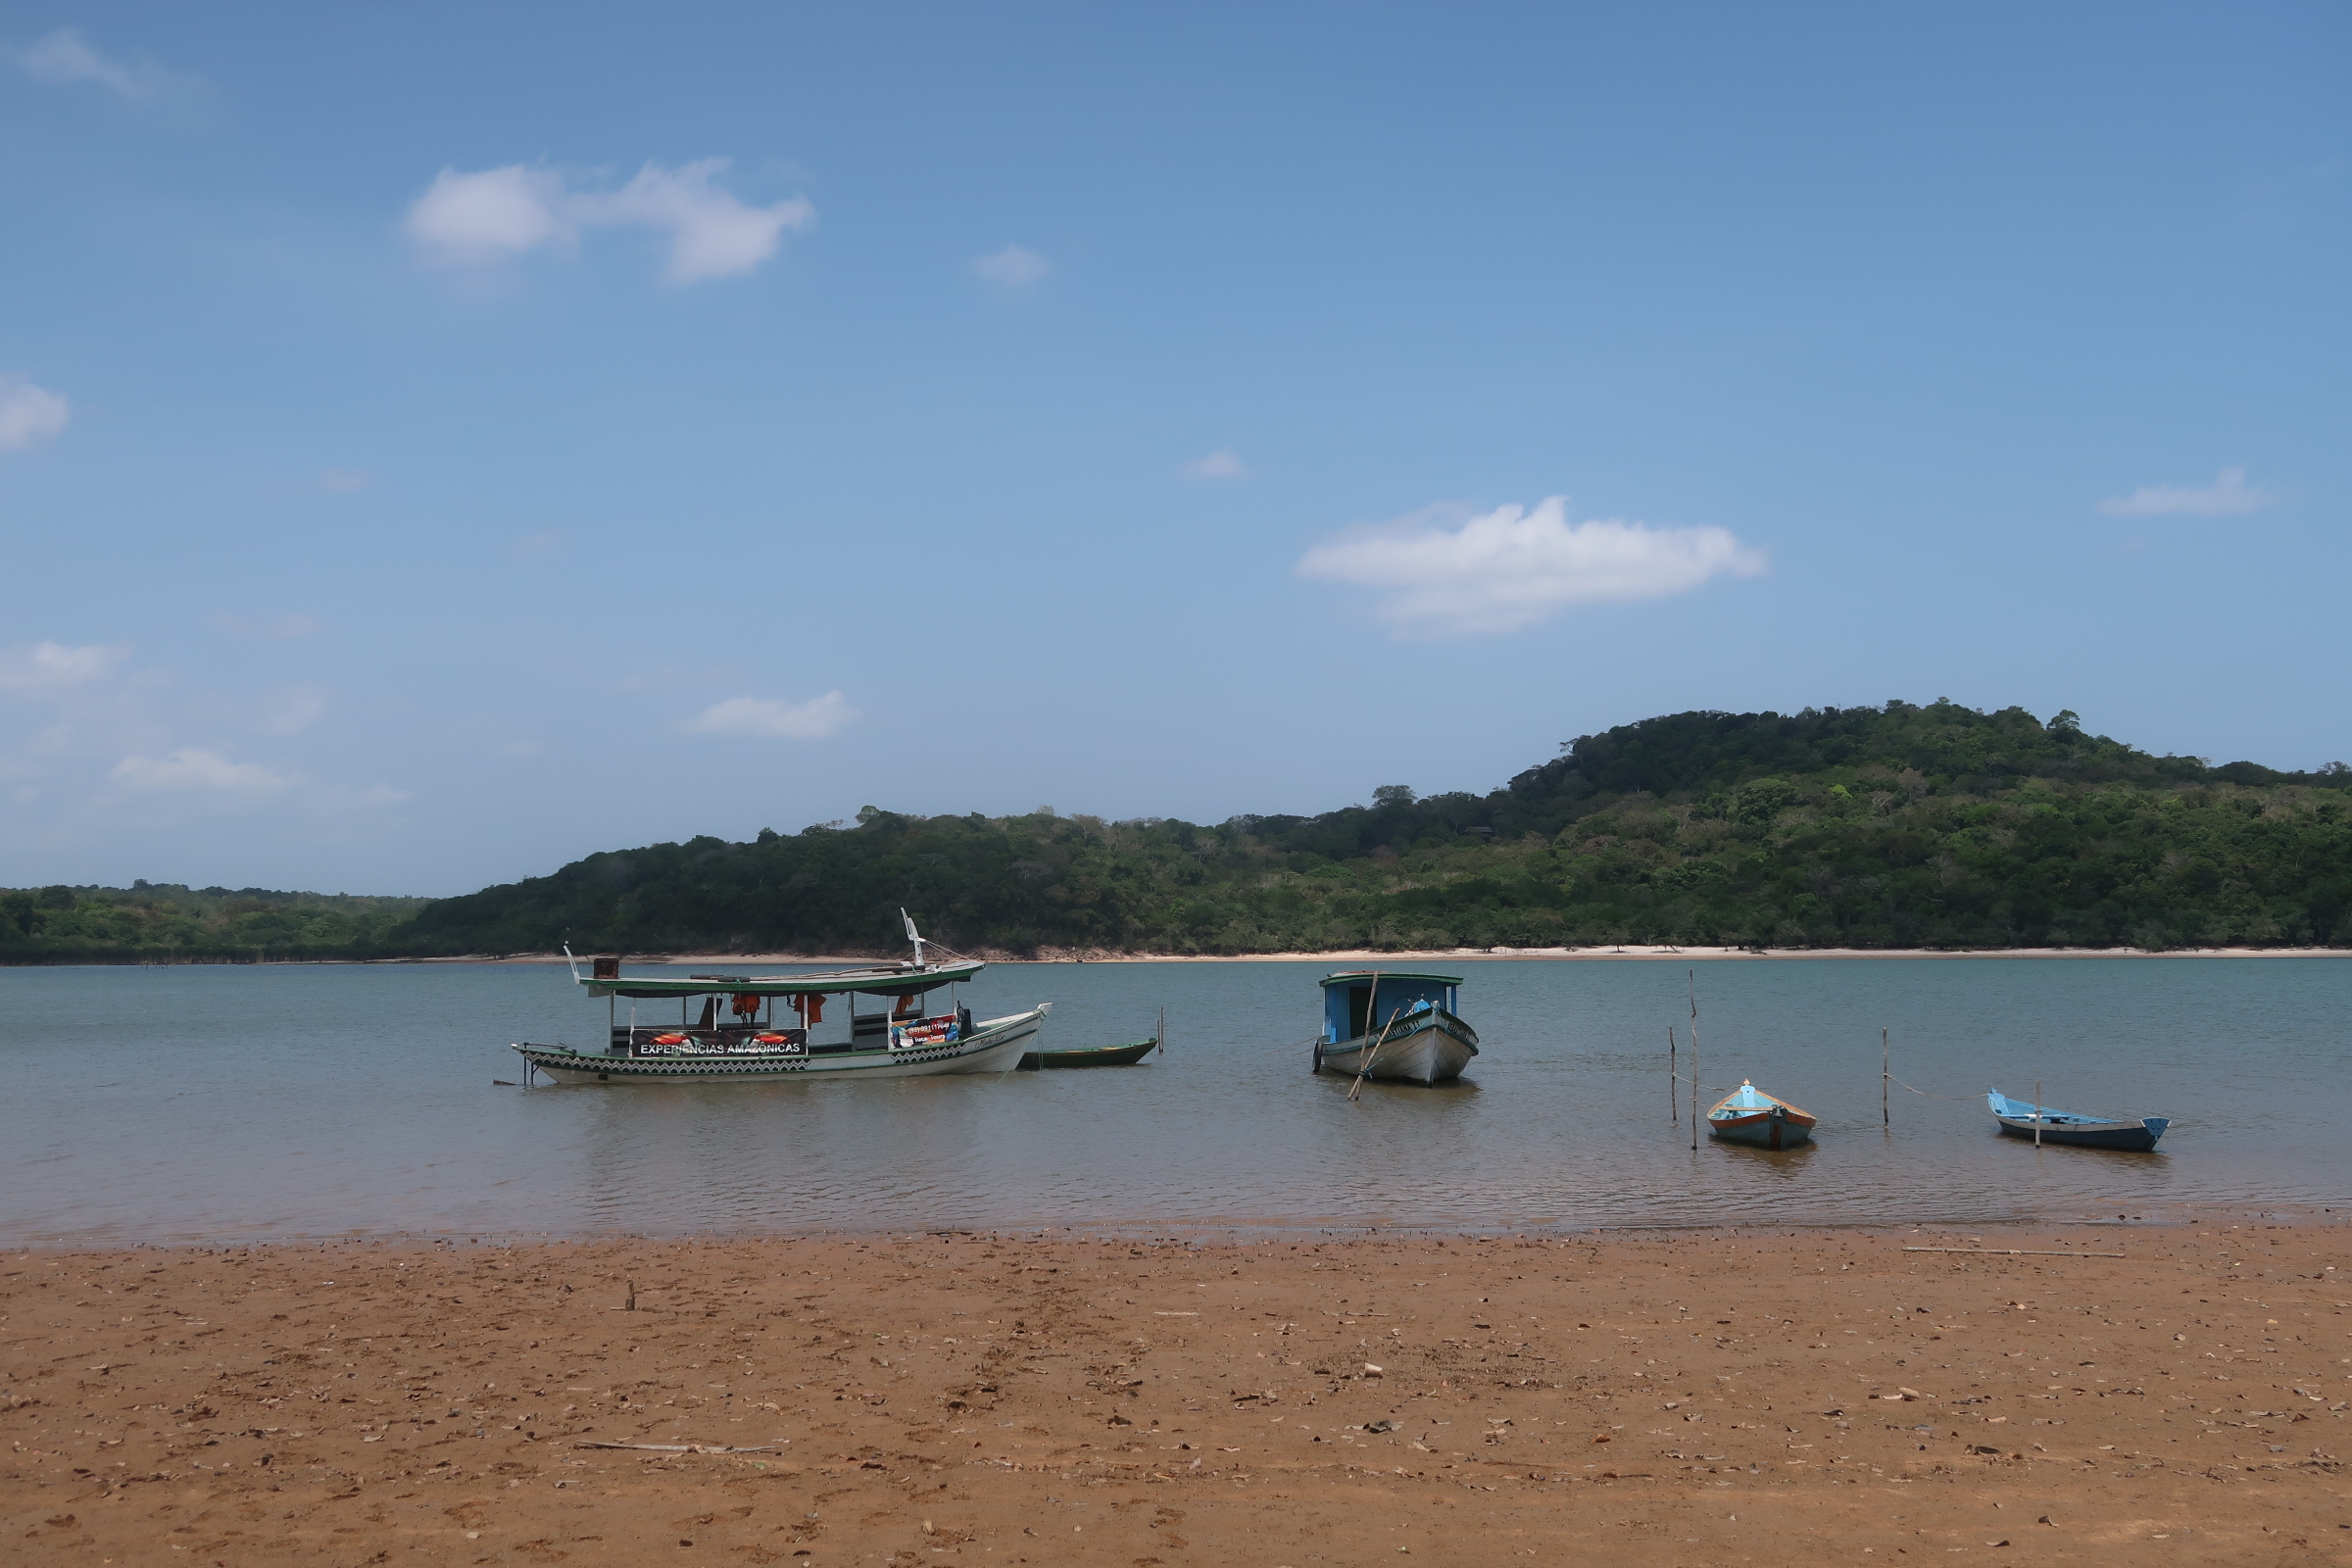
x=1372, y=1056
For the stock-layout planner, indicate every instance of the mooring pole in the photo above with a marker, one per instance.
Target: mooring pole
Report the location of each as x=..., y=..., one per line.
x=1694, y=1060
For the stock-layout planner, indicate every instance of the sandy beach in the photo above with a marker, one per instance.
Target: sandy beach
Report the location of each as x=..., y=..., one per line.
x=1664, y=1398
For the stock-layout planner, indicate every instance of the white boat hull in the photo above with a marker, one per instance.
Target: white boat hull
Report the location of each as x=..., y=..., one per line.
x=1432, y=1049
x=994, y=1046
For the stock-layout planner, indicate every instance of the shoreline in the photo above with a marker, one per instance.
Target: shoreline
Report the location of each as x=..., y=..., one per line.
x=1761, y=1393
x=2140, y=1219
x=1637, y=952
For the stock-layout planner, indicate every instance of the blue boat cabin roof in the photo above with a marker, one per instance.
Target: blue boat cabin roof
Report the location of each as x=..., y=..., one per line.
x=1358, y=976
x=1351, y=1010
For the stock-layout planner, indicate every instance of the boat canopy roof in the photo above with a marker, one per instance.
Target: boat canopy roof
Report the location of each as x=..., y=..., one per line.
x=1352, y=976
x=890, y=980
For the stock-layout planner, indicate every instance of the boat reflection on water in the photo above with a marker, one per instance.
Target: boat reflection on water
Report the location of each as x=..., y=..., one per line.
x=1782, y=1164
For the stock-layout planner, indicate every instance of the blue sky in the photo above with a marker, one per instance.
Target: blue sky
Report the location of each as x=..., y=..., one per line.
x=439, y=441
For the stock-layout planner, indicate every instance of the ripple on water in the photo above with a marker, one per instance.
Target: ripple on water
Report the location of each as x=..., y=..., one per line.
x=224, y=1103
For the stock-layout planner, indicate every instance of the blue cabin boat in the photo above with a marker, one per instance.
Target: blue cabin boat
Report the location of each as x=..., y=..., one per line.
x=1384, y=1024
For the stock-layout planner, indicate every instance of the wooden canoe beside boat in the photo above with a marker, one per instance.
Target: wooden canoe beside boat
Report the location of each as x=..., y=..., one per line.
x=2021, y=1119
x=1126, y=1055
x=1749, y=1116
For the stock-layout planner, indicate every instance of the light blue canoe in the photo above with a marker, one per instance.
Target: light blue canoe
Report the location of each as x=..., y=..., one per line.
x=2133, y=1135
x=1749, y=1116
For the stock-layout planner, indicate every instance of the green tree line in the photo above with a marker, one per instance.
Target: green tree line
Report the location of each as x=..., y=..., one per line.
x=1906, y=825
x=147, y=923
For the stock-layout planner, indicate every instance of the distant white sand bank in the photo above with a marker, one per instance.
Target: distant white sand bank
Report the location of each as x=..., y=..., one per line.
x=1633, y=952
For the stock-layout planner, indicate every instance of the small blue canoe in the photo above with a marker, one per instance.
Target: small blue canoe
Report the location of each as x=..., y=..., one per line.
x=2020, y=1120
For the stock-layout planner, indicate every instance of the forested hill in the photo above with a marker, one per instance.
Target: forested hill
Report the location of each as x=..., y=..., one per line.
x=171, y=923
x=1895, y=826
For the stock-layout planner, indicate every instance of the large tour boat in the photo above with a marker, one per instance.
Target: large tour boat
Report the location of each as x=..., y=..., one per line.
x=900, y=1039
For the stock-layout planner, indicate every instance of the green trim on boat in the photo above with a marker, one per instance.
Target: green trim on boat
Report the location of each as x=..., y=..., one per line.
x=1126, y=1055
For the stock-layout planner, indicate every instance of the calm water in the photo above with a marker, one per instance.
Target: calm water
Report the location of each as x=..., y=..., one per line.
x=237, y=1104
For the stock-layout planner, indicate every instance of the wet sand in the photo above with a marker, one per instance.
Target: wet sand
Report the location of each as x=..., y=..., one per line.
x=1758, y=1398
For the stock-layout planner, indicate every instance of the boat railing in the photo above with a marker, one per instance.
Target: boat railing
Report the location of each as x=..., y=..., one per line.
x=1406, y=1018
x=735, y=1039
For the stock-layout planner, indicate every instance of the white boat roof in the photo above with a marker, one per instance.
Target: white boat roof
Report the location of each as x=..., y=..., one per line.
x=892, y=980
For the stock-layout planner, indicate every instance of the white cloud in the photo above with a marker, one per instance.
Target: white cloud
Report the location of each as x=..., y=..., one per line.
x=46, y=666
x=28, y=413
x=479, y=218
x=1222, y=464
x=193, y=769
x=1013, y=267
x=337, y=481
x=499, y=212
x=713, y=234
x=114, y=740
x=62, y=58
x=770, y=718
x=1506, y=568
x=2227, y=496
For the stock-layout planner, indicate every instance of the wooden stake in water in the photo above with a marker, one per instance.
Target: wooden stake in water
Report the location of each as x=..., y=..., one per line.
x=1673, y=1083
x=1886, y=1071
x=1694, y=1060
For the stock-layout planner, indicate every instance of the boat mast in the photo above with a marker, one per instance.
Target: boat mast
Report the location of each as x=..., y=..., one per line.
x=913, y=936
